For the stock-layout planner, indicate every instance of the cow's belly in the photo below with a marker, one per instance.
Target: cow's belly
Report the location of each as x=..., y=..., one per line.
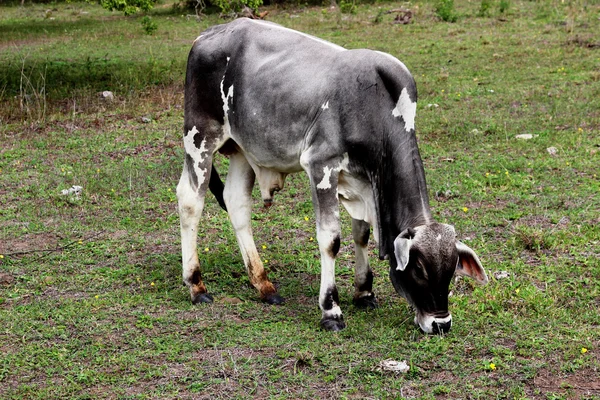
x=357, y=197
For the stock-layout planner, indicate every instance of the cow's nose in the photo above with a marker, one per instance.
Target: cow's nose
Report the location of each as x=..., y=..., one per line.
x=441, y=326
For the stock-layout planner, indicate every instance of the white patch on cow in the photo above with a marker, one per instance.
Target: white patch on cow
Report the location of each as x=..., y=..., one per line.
x=201, y=174
x=438, y=238
x=325, y=106
x=196, y=153
x=226, y=98
x=326, y=181
x=316, y=39
x=407, y=109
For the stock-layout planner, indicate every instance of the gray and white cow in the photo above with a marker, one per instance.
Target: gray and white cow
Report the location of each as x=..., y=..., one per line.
x=277, y=101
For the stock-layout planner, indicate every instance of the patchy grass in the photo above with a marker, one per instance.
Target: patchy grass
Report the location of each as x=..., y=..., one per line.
x=91, y=299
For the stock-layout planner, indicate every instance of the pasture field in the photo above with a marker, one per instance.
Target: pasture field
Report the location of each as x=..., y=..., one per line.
x=91, y=298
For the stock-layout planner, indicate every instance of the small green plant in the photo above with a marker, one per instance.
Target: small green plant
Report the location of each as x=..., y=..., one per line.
x=149, y=26
x=445, y=10
x=484, y=8
x=228, y=6
x=128, y=7
x=503, y=6
x=348, y=7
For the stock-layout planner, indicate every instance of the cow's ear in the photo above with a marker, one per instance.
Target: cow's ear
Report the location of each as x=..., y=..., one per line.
x=469, y=264
x=402, y=251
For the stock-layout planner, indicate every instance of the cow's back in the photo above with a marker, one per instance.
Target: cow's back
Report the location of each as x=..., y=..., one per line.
x=280, y=86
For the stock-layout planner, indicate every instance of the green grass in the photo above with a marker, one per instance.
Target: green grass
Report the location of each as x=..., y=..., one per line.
x=91, y=299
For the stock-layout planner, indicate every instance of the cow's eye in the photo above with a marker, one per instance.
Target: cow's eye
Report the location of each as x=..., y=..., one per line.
x=420, y=272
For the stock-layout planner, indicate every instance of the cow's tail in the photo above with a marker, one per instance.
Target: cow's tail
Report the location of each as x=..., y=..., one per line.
x=216, y=187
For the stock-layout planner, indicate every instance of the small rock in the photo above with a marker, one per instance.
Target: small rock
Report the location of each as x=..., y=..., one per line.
x=552, y=151
x=73, y=190
x=526, y=136
x=434, y=105
x=107, y=95
x=394, y=366
x=146, y=120
x=501, y=274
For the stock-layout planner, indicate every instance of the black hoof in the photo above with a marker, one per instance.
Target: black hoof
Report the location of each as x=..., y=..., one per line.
x=273, y=299
x=333, y=324
x=202, y=298
x=367, y=302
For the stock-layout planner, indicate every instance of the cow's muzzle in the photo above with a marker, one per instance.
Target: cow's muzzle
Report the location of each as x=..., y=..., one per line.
x=434, y=325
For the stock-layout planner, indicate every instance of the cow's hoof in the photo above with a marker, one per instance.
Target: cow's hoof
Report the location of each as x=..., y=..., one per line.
x=367, y=302
x=273, y=299
x=333, y=324
x=202, y=298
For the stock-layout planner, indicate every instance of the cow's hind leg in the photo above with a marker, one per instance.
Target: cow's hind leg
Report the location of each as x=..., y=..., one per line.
x=190, y=195
x=237, y=196
x=363, y=275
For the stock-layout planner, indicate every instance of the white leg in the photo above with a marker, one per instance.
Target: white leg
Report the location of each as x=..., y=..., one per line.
x=237, y=196
x=191, y=203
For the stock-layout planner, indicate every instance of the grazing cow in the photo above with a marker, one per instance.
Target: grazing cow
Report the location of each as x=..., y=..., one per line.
x=277, y=101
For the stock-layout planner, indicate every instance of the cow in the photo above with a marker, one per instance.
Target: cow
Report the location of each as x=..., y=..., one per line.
x=277, y=101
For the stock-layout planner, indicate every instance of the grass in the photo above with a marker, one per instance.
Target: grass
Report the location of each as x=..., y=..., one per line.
x=91, y=299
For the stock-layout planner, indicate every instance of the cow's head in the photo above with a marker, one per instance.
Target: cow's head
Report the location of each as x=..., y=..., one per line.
x=426, y=258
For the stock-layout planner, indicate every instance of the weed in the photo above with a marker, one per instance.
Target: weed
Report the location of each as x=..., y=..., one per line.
x=348, y=7
x=149, y=25
x=445, y=10
x=503, y=6
x=484, y=8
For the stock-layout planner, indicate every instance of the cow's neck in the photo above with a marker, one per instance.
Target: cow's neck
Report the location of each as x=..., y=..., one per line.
x=402, y=194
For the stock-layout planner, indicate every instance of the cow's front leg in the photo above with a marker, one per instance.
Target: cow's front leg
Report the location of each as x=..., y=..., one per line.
x=324, y=181
x=363, y=275
x=238, y=199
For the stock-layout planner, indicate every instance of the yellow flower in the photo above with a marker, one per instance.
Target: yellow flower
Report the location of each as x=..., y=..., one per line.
x=98, y=170
x=517, y=290
x=266, y=261
x=96, y=296
x=306, y=218
x=1, y=256
x=311, y=239
x=492, y=366
x=465, y=209
x=151, y=283
x=506, y=173
x=206, y=249
x=264, y=247
x=169, y=189
x=487, y=174
x=579, y=129
x=80, y=242
x=583, y=350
